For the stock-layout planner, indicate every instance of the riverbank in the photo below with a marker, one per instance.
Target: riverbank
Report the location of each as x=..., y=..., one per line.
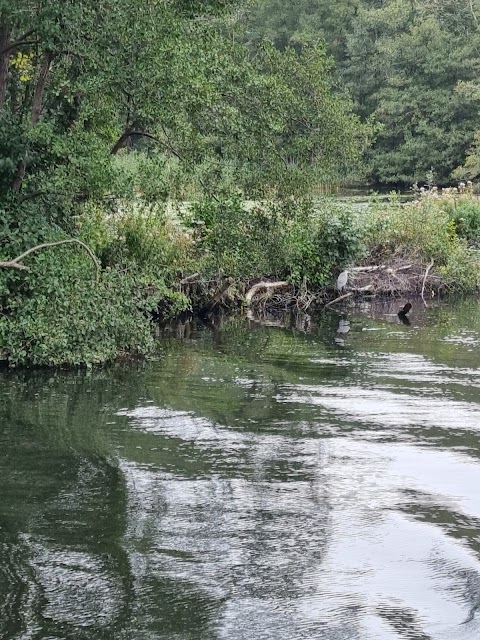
x=135, y=265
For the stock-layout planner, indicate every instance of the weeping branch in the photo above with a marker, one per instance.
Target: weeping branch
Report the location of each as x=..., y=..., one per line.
x=16, y=263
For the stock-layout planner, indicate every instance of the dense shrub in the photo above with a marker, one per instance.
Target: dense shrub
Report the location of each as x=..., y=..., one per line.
x=138, y=237
x=323, y=240
x=423, y=230
x=58, y=313
x=465, y=214
x=299, y=240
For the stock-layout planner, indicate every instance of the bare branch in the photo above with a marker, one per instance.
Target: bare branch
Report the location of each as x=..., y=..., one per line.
x=432, y=262
x=13, y=265
x=16, y=262
x=343, y=297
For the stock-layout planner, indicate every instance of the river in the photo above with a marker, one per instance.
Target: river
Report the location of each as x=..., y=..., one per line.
x=251, y=482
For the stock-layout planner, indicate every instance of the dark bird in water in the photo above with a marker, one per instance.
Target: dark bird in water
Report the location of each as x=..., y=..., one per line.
x=403, y=313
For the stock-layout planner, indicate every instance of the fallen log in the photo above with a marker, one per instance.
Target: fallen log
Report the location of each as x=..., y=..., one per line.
x=267, y=286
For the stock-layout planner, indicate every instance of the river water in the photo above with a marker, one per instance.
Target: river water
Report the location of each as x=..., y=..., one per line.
x=251, y=482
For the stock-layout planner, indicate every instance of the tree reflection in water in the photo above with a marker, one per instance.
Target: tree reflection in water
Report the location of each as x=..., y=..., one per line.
x=252, y=482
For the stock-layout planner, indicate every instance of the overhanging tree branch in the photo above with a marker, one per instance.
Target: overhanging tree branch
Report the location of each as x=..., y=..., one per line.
x=17, y=264
x=17, y=45
x=19, y=42
x=129, y=132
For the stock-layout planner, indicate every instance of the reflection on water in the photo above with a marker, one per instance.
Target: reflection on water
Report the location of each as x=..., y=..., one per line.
x=252, y=482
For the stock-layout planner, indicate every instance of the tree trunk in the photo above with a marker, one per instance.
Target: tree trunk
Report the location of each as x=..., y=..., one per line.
x=36, y=110
x=4, y=59
x=40, y=87
x=122, y=140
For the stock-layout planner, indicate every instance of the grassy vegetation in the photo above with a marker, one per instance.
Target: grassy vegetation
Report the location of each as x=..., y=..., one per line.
x=439, y=226
x=57, y=313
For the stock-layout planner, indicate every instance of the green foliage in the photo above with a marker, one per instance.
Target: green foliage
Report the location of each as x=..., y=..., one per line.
x=423, y=230
x=411, y=66
x=302, y=23
x=465, y=214
x=297, y=240
x=58, y=314
x=172, y=88
x=237, y=240
x=137, y=236
x=108, y=110
x=324, y=240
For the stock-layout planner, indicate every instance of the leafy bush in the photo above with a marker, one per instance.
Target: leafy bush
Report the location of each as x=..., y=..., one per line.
x=288, y=239
x=138, y=237
x=419, y=229
x=237, y=240
x=323, y=240
x=423, y=230
x=58, y=314
x=465, y=214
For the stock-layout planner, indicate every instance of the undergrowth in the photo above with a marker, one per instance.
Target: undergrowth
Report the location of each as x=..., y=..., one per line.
x=58, y=314
x=434, y=227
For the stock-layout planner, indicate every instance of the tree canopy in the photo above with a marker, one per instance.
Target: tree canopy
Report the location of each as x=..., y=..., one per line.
x=79, y=81
x=413, y=67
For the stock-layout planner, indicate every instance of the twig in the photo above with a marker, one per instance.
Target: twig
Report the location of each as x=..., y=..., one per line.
x=345, y=295
x=16, y=262
x=212, y=303
x=190, y=279
x=432, y=262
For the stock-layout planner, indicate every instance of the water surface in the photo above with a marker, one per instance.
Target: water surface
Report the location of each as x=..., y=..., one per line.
x=251, y=482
